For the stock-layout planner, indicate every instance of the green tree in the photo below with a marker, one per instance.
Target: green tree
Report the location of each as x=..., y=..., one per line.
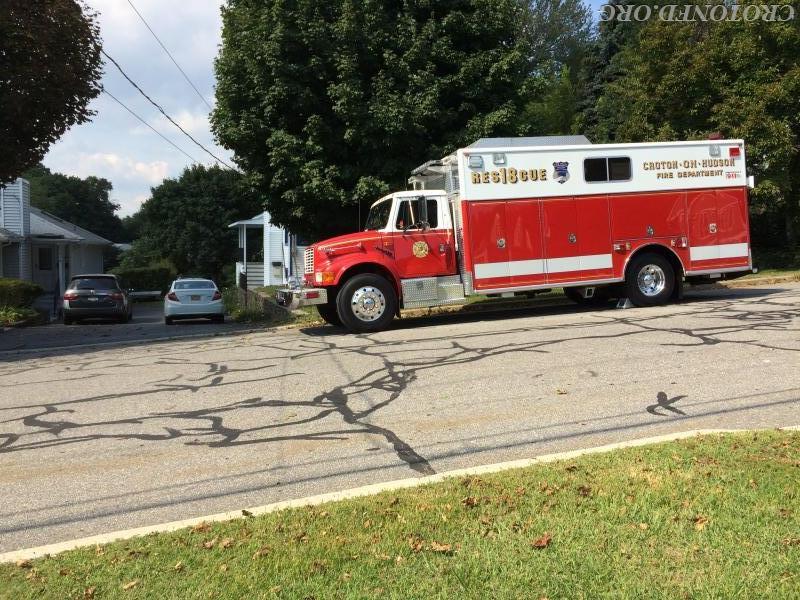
x=328, y=105
x=84, y=202
x=739, y=78
x=185, y=221
x=49, y=71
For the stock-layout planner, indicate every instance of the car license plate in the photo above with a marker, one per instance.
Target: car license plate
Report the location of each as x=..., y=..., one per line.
x=93, y=299
x=195, y=298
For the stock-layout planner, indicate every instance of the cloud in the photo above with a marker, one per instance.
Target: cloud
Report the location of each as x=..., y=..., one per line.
x=112, y=166
x=114, y=144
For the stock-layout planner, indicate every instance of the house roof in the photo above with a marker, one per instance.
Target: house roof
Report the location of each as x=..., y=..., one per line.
x=8, y=236
x=47, y=226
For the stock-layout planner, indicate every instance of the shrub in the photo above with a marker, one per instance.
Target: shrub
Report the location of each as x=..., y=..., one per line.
x=18, y=293
x=15, y=315
x=146, y=278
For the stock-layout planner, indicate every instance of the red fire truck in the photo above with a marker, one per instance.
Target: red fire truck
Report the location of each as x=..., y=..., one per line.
x=511, y=215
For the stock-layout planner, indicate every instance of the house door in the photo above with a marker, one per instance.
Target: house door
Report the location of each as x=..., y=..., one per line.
x=45, y=271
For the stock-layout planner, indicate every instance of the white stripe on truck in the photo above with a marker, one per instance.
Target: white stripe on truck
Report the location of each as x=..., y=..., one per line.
x=516, y=268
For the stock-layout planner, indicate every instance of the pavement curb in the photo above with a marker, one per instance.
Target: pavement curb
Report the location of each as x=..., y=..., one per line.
x=367, y=490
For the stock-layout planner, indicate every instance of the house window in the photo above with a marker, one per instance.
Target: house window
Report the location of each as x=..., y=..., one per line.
x=45, y=259
x=617, y=168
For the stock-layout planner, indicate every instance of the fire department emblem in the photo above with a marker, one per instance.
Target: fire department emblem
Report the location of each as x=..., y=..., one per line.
x=420, y=249
x=560, y=171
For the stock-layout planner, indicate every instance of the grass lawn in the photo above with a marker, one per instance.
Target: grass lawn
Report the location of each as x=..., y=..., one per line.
x=716, y=516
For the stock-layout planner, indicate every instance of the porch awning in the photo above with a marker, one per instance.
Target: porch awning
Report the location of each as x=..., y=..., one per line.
x=257, y=221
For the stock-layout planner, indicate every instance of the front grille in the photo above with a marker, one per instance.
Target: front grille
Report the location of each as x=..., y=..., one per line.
x=308, y=260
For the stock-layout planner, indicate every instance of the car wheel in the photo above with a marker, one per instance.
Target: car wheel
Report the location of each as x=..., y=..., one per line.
x=168, y=321
x=366, y=303
x=219, y=319
x=599, y=298
x=649, y=280
x=329, y=314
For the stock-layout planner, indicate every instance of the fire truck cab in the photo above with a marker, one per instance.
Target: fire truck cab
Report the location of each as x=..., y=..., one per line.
x=511, y=215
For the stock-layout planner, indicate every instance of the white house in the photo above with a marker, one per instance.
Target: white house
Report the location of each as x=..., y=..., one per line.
x=280, y=252
x=37, y=246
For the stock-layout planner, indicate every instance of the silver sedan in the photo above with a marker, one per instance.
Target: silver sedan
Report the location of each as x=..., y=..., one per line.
x=193, y=299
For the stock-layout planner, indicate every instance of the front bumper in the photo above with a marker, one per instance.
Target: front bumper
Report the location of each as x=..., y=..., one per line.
x=293, y=298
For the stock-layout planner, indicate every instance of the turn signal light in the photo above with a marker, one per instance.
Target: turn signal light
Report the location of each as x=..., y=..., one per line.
x=328, y=277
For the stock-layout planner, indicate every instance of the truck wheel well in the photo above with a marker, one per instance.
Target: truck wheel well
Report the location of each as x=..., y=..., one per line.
x=667, y=253
x=374, y=268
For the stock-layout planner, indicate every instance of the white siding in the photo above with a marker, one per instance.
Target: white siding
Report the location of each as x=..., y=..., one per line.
x=14, y=213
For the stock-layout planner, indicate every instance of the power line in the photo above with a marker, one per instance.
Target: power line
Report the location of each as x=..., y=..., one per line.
x=156, y=131
x=172, y=58
x=163, y=112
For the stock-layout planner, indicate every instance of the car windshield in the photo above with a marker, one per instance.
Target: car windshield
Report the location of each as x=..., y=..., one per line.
x=194, y=285
x=93, y=283
x=378, y=215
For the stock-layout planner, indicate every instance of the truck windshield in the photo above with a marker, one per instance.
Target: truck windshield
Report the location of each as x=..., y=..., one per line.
x=378, y=215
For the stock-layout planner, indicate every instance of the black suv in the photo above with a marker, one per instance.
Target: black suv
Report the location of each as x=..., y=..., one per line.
x=96, y=297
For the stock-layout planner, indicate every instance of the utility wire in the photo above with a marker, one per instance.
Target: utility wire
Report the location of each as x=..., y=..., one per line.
x=156, y=131
x=172, y=58
x=163, y=112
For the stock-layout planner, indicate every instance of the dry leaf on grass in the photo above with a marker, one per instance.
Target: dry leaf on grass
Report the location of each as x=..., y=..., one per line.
x=223, y=567
x=201, y=527
x=24, y=563
x=561, y=391
x=263, y=551
x=246, y=513
x=443, y=548
x=643, y=526
x=543, y=541
x=584, y=490
x=88, y=593
x=130, y=585
x=469, y=501
x=394, y=501
x=700, y=522
x=226, y=543
x=210, y=544
x=790, y=541
x=178, y=566
x=416, y=544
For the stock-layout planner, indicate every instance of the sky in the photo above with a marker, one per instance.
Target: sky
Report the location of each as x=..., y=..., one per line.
x=115, y=145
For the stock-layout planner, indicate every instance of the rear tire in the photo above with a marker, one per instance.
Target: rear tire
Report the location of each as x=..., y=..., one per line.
x=328, y=313
x=649, y=280
x=366, y=303
x=168, y=321
x=599, y=298
x=219, y=319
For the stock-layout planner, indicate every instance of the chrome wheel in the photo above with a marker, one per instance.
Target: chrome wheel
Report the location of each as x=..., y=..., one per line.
x=651, y=280
x=368, y=303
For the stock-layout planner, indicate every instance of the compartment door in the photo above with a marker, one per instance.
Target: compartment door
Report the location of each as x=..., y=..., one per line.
x=733, y=229
x=562, y=253
x=488, y=243
x=703, y=227
x=525, y=245
x=594, y=237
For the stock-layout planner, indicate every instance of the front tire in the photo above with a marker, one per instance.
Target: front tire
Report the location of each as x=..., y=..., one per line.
x=649, y=280
x=366, y=303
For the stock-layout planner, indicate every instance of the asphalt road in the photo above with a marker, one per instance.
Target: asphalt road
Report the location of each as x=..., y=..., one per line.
x=147, y=325
x=98, y=440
